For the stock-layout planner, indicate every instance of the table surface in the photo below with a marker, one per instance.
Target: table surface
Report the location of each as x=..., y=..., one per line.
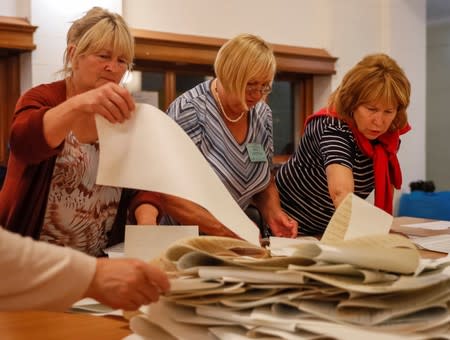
x=61, y=326
x=70, y=326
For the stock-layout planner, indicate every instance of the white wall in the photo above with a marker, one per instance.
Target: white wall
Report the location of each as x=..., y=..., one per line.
x=411, y=55
x=438, y=115
x=217, y=18
x=347, y=29
x=8, y=8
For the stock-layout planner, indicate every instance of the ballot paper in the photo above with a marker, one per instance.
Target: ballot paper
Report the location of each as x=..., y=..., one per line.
x=354, y=218
x=148, y=242
x=151, y=152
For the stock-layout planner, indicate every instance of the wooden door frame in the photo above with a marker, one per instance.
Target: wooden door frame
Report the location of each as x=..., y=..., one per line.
x=16, y=37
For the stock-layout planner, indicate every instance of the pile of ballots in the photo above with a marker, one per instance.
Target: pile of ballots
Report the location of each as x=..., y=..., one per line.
x=369, y=287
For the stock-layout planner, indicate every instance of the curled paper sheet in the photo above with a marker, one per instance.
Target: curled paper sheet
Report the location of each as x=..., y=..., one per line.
x=151, y=152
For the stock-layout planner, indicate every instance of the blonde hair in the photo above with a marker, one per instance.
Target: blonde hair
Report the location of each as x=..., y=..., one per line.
x=243, y=58
x=98, y=29
x=376, y=77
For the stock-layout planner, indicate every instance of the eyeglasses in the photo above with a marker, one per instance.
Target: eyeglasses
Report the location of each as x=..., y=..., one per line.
x=264, y=90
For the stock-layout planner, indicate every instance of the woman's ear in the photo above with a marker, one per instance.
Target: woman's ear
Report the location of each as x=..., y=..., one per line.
x=70, y=53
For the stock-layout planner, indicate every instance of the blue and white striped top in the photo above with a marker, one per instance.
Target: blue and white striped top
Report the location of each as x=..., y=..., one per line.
x=302, y=181
x=197, y=113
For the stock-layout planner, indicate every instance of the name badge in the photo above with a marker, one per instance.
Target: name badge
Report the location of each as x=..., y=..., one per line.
x=256, y=152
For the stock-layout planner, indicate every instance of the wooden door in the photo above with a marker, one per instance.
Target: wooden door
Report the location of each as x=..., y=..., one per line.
x=9, y=93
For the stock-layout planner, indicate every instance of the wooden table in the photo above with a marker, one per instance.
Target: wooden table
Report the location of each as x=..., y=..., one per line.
x=33, y=325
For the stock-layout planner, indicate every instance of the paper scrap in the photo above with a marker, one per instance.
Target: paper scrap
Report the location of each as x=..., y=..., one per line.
x=148, y=242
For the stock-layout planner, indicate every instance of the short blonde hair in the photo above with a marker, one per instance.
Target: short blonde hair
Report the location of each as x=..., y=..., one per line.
x=243, y=58
x=376, y=77
x=96, y=30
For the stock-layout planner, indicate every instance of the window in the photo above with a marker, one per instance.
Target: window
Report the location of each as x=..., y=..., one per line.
x=281, y=101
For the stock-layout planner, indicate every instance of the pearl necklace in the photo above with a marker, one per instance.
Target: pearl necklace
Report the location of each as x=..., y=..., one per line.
x=231, y=120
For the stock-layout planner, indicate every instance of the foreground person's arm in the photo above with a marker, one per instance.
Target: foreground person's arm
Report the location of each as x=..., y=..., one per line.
x=37, y=275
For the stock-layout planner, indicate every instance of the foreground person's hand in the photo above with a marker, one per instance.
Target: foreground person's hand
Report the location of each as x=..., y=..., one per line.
x=127, y=283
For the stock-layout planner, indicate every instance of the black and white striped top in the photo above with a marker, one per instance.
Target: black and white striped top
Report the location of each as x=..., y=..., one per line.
x=197, y=113
x=302, y=181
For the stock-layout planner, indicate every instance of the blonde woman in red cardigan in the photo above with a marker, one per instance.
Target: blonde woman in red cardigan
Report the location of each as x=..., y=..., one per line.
x=49, y=191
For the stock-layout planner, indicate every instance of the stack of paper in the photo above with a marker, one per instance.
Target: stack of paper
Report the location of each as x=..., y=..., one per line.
x=372, y=286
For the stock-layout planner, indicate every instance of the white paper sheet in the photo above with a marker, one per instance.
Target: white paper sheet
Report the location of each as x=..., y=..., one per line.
x=283, y=246
x=355, y=218
x=367, y=219
x=439, y=243
x=160, y=314
x=148, y=242
x=151, y=152
x=93, y=307
x=115, y=251
x=435, y=225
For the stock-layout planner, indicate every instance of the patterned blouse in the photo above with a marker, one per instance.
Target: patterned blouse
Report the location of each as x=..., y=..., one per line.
x=79, y=213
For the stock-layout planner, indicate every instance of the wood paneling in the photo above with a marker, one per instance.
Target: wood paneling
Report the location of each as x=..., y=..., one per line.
x=16, y=36
x=10, y=91
x=190, y=49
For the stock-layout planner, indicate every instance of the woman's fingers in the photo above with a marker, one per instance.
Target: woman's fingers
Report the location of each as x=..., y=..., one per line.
x=112, y=102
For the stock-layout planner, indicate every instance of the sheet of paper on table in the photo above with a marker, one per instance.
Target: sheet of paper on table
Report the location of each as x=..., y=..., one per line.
x=434, y=225
x=440, y=243
x=115, y=251
x=151, y=152
x=148, y=242
x=93, y=307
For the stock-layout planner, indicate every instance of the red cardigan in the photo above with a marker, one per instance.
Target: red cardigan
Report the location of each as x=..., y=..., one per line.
x=23, y=198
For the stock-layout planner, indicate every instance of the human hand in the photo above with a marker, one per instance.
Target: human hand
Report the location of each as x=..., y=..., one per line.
x=282, y=225
x=127, y=283
x=110, y=100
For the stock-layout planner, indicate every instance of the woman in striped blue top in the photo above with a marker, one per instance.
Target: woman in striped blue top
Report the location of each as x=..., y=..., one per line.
x=231, y=124
x=350, y=146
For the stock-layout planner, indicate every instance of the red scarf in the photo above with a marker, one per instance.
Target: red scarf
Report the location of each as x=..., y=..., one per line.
x=386, y=167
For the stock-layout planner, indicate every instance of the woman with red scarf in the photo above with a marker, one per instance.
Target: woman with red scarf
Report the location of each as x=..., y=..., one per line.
x=350, y=146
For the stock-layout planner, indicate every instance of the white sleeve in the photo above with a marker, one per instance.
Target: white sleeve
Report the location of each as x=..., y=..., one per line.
x=38, y=275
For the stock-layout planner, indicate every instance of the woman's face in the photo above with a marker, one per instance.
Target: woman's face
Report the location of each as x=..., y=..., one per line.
x=255, y=91
x=93, y=70
x=373, y=119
